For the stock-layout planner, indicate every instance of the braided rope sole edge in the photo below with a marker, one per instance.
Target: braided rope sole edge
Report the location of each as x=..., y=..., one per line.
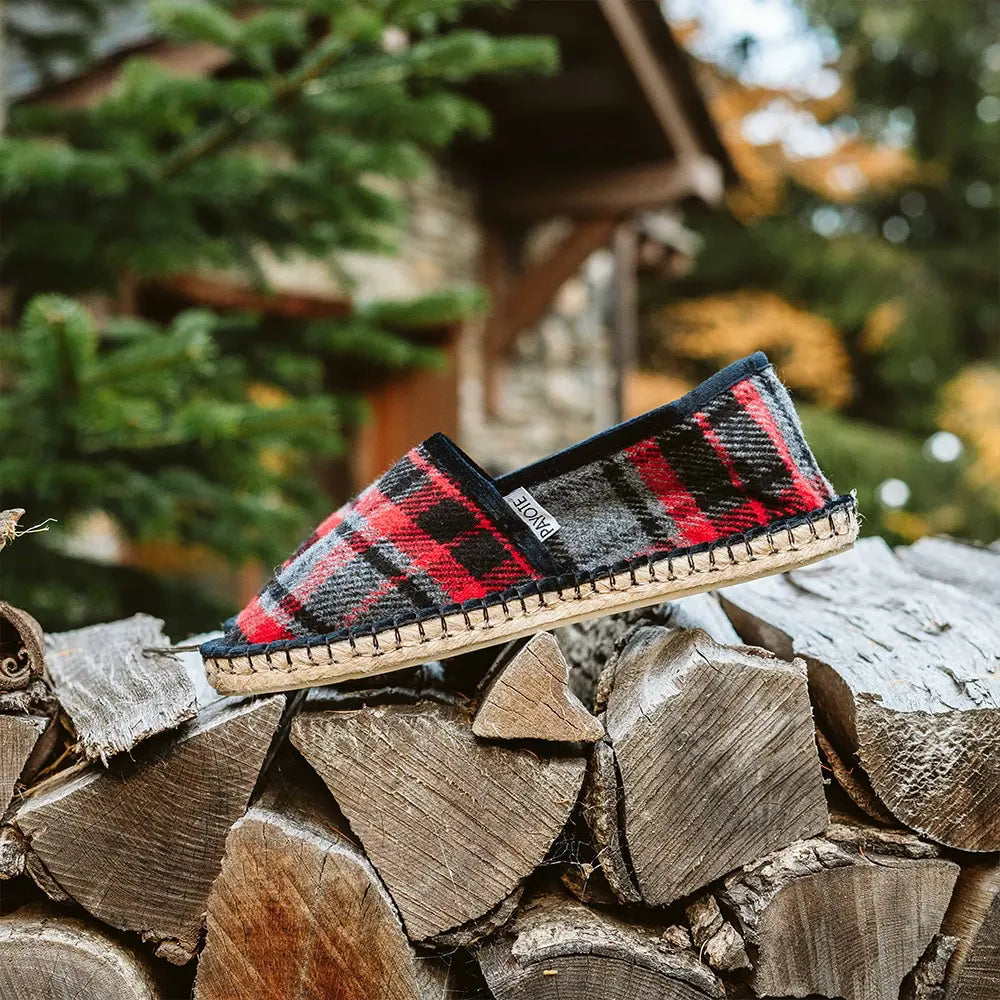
x=727, y=562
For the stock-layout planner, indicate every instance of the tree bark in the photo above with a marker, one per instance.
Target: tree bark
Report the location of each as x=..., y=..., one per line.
x=904, y=677
x=526, y=697
x=716, y=754
x=299, y=913
x=116, y=694
x=22, y=654
x=820, y=918
x=59, y=957
x=138, y=845
x=602, y=809
x=558, y=948
x=452, y=824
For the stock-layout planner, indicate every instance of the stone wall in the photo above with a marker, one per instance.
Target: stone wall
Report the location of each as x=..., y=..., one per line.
x=558, y=385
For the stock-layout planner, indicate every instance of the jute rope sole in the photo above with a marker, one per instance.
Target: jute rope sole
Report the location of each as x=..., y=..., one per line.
x=725, y=563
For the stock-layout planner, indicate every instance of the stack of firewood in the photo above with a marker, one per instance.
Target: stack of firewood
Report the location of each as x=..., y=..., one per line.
x=639, y=807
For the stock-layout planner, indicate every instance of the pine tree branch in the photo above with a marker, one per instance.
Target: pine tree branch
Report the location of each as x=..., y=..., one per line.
x=316, y=62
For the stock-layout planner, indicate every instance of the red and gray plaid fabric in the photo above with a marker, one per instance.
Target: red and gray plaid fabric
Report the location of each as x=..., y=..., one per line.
x=434, y=532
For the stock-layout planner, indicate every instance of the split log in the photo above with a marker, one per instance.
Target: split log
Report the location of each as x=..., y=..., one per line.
x=974, y=919
x=717, y=940
x=58, y=957
x=22, y=656
x=926, y=981
x=452, y=824
x=558, y=948
x=589, y=645
x=602, y=809
x=903, y=672
x=18, y=736
x=972, y=568
x=821, y=919
x=716, y=754
x=526, y=697
x=138, y=845
x=298, y=912
x=116, y=694
x=853, y=781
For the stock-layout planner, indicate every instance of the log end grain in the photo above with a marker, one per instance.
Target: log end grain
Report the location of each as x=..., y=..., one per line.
x=526, y=697
x=716, y=753
x=452, y=824
x=139, y=844
x=48, y=954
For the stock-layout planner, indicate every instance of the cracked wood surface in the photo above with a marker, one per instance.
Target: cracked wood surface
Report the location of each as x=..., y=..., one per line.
x=558, y=948
x=602, y=804
x=972, y=568
x=452, y=824
x=299, y=913
x=139, y=844
x=820, y=918
x=589, y=645
x=116, y=694
x=51, y=955
x=974, y=918
x=526, y=697
x=905, y=677
x=716, y=754
x=18, y=736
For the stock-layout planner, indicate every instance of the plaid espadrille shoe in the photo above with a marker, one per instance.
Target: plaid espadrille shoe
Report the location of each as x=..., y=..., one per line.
x=438, y=558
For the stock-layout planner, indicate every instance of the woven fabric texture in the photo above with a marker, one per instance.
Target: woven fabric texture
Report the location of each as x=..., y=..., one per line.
x=739, y=462
x=434, y=532
x=413, y=540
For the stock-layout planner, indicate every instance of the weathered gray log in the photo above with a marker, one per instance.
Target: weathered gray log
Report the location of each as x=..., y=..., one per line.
x=716, y=754
x=298, y=912
x=589, y=645
x=452, y=824
x=18, y=736
x=526, y=697
x=22, y=656
x=116, y=694
x=50, y=955
x=904, y=673
x=820, y=918
x=972, y=568
x=557, y=949
x=139, y=844
x=974, y=919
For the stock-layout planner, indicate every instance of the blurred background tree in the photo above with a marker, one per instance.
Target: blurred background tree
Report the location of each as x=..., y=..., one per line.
x=860, y=249
x=206, y=430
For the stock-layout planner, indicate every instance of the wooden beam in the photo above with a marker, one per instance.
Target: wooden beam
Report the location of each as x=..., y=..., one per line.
x=616, y=192
x=225, y=294
x=650, y=73
x=625, y=345
x=529, y=295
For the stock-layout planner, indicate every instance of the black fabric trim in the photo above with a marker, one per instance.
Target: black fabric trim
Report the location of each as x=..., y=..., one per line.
x=217, y=648
x=479, y=486
x=631, y=431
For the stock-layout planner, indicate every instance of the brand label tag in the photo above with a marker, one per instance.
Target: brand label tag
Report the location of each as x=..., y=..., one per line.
x=534, y=515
